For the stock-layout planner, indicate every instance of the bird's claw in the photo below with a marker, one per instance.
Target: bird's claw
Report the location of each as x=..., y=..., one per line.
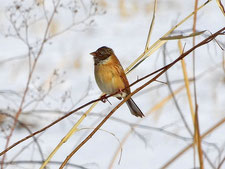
x=103, y=98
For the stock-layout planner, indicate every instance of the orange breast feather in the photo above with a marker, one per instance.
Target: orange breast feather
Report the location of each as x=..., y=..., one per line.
x=110, y=76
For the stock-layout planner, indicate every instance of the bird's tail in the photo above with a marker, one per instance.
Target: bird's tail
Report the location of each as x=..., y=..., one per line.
x=134, y=109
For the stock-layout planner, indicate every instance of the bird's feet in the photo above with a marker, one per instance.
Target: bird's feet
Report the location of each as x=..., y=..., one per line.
x=122, y=94
x=103, y=98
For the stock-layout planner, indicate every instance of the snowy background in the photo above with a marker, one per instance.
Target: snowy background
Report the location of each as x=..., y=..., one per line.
x=63, y=80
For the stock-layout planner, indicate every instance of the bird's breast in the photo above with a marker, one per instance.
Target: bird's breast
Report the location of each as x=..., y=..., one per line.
x=108, y=77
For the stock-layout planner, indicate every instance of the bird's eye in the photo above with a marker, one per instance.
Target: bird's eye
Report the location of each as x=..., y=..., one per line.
x=102, y=52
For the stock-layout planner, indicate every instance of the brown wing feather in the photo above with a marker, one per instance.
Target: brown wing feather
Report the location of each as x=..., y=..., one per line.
x=122, y=74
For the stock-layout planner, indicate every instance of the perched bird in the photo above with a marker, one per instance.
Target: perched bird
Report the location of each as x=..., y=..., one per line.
x=111, y=78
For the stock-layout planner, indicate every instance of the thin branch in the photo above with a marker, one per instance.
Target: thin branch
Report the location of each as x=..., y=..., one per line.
x=161, y=71
x=135, y=91
x=221, y=163
x=29, y=131
x=214, y=127
x=39, y=162
x=29, y=80
x=174, y=98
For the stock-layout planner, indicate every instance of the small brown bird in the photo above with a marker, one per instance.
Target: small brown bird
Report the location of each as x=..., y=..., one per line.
x=111, y=78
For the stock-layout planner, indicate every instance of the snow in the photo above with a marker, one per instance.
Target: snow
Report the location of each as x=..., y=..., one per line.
x=73, y=85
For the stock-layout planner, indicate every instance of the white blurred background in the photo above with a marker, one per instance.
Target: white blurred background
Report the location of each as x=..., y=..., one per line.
x=63, y=79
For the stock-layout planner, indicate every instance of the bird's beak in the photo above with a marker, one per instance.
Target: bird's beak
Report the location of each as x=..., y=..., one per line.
x=93, y=53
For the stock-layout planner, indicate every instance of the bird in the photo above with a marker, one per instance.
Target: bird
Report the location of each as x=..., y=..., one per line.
x=111, y=78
